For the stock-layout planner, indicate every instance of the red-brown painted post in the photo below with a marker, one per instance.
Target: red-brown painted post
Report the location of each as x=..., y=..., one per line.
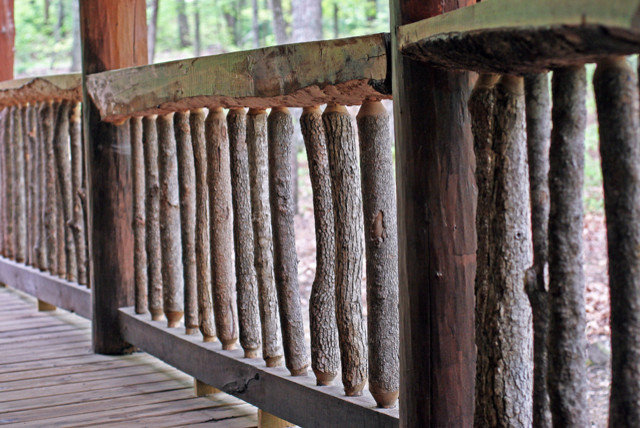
x=7, y=39
x=436, y=231
x=114, y=35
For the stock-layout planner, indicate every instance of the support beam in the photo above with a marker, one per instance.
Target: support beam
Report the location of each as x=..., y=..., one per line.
x=114, y=35
x=436, y=231
x=7, y=39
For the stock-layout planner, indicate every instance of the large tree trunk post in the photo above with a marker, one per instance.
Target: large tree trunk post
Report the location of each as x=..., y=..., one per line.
x=246, y=285
x=20, y=191
x=567, y=342
x=63, y=162
x=203, y=260
x=285, y=259
x=616, y=93
x=139, y=217
x=187, y=180
x=504, y=370
x=7, y=39
x=170, y=239
x=436, y=231
x=78, y=191
x=152, y=215
x=344, y=166
x=381, y=244
x=114, y=35
x=325, y=352
x=257, y=145
x=221, y=227
x=538, y=108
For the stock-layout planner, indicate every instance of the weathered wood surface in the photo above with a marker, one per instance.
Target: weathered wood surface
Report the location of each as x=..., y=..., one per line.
x=507, y=36
x=61, y=87
x=270, y=389
x=345, y=71
x=69, y=385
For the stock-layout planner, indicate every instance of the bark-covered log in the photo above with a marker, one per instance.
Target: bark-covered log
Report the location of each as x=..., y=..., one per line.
x=62, y=252
x=79, y=191
x=139, y=217
x=246, y=285
x=47, y=116
x=42, y=179
x=325, y=351
x=257, y=145
x=3, y=203
x=616, y=93
x=28, y=158
x=538, y=109
x=381, y=244
x=187, y=180
x=567, y=343
x=285, y=259
x=347, y=209
x=19, y=191
x=152, y=185
x=63, y=163
x=504, y=370
x=221, y=228
x=8, y=180
x=172, y=272
x=34, y=191
x=203, y=261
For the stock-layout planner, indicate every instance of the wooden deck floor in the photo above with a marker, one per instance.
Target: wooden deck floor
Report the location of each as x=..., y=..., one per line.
x=49, y=377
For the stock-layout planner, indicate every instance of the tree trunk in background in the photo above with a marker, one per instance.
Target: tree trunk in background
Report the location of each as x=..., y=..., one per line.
x=60, y=21
x=371, y=11
x=306, y=20
x=255, y=26
x=76, y=49
x=47, y=8
x=183, y=24
x=336, y=26
x=152, y=30
x=279, y=25
x=196, y=30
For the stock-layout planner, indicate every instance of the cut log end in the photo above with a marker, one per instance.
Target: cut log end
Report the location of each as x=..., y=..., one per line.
x=251, y=353
x=157, y=315
x=273, y=361
x=354, y=390
x=385, y=399
x=303, y=371
x=228, y=344
x=324, y=379
x=190, y=331
x=208, y=339
x=173, y=318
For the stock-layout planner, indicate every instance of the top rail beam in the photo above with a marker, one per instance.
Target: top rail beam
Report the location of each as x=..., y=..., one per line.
x=521, y=36
x=61, y=87
x=345, y=71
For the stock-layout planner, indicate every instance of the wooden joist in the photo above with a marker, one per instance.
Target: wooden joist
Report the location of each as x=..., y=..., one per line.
x=521, y=36
x=60, y=87
x=345, y=71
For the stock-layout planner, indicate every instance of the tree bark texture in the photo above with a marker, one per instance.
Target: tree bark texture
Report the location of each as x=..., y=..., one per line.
x=8, y=183
x=172, y=271
x=42, y=180
x=538, y=109
x=28, y=183
x=221, y=228
x=62, y=252
x=504, y=370
x=616, y=93
x=4, y=124
x=246, y=284
x=257, y=147
x=567, y=343
x=381, y=244
x=34, y=190
x=51, y=210
x=79, y=192
x=325, y=351
x=152, y=205
x=285, y=259
x=348, y=220
x=203, y=261
x=187, y=180
x=139, y=216
x=63, y=162
x=20, y=191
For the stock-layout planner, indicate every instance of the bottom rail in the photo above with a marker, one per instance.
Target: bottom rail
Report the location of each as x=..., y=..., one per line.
x=53, y=290
x=295, y=399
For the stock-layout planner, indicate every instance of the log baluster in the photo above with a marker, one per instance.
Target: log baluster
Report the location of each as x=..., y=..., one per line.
x=152, y=214
x=139, y=217
x=221, y=228
x=170, y=240
x=20, y=193
x=187, y=180
x=567, y=342
x=347, y=205
x=8, y=179
x=78, y=190
x=285, y=260
x=24, y=112
x=61, y=263
x=203, y=260
x=34, y=190
x=41, y=116
x=246, y=286
x=616, y=94
x=257, y=147
x=325, y=353
x=3, y=202
x=381, y=244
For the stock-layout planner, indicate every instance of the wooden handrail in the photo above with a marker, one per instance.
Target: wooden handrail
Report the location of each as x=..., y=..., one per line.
x=60, y=87
x=345, y=71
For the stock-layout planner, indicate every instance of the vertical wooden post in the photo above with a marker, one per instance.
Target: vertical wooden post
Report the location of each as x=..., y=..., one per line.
x=7, y=39
x=436, y=231
x=114, y=35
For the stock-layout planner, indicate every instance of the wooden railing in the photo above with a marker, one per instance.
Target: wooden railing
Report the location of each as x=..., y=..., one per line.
x=43, y=205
